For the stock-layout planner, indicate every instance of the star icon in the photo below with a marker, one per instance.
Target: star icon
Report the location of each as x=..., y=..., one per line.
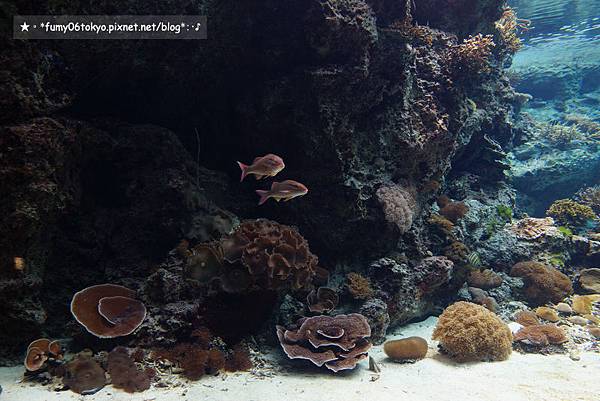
x=24, y=27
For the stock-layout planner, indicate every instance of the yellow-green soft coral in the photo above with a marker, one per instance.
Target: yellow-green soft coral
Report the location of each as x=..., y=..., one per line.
x=570, y=213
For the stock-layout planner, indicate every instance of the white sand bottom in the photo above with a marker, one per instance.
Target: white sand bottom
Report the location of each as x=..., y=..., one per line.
x=528, y=377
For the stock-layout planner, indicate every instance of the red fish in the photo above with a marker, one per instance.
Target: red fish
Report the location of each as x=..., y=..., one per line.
x=266, y=166
x=286, y=190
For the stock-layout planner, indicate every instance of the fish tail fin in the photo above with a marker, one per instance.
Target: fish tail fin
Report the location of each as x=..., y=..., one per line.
x=264, y=195
x=244, y=169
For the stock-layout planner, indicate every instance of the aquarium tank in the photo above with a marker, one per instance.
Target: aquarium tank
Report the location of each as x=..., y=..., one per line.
x=300, y=199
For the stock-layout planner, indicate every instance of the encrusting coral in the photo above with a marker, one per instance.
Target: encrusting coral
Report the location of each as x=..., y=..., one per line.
x=454, y=211
x=569, y=213
x=484, y=279
x=470, y=332
x=406, y=349
x=123, y=372
x=548, y=314
x=541, y=335
x=336, y=342
x=543, y=283
x=83, y=375
x=399, y=205
x=526, y=318
x=108, y=310
x=358, y=286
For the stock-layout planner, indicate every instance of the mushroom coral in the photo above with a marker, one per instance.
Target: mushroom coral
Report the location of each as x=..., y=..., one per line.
x=83, y=375
x=338, y=342
x=108, y=310
x=470, y=332
x=543, y=283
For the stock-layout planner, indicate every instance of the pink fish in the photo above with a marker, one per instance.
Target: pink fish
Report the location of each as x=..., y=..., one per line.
x=266, y=166
x=286, y=190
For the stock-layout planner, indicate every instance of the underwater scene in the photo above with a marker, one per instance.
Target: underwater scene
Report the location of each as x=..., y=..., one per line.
x=300, y=199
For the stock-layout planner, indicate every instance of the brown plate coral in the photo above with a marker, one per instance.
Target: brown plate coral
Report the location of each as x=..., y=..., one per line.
x=108, y=310
x=336, y=342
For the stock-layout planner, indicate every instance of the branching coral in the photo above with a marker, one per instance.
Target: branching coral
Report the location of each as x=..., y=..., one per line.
x=531, y=228
x=559, y=134
x=472, y=56
x=337, y=342
x=508, y=27
x=399, y=205
x=542, y=283
x=358, y=286
x=570, y=213
x=469, y=332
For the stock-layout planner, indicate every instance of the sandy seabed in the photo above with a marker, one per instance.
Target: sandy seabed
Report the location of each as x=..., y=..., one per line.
x=528, y=377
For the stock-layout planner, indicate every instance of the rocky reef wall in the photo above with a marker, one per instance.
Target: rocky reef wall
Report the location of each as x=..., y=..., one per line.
x=112, y=152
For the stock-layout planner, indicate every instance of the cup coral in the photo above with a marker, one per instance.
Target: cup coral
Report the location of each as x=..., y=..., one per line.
x=322, y=300
x=543, y=283
x=470, y=332
x=338, y=342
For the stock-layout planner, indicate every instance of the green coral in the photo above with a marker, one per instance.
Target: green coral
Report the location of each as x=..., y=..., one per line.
x=566, y=231
x=569, y=213
x=505, y=212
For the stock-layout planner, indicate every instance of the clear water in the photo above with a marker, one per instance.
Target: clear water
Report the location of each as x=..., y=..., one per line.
x=560, y=62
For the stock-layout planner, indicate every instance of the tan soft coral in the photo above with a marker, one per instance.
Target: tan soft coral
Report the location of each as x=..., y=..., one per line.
x=543, y=283
x=359, y=286
x=470, y=332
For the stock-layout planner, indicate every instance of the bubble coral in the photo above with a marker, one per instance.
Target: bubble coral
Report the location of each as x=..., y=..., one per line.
x=322, y=300
x=359, y=286
x=484, y=279
x=543, y=283
x=406, y=349
x=470, y=332
x=84, y=376
x=123, y=372
x=570, y=213
x=541, y=335
x=399, y=205
x=336, y=342
x=108, y=310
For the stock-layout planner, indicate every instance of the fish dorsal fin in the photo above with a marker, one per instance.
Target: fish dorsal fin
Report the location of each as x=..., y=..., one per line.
x=274, y=185
x=256, y=159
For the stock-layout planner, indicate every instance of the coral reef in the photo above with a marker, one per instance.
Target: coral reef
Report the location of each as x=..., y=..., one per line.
x=469, y=332
x=473, y=56
x=108, y=310
x=337, y=342
x=589, y=196
x=358, y=286
x=406, y=349
x=542, y=283
x=399, y=205
x=570, y=213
